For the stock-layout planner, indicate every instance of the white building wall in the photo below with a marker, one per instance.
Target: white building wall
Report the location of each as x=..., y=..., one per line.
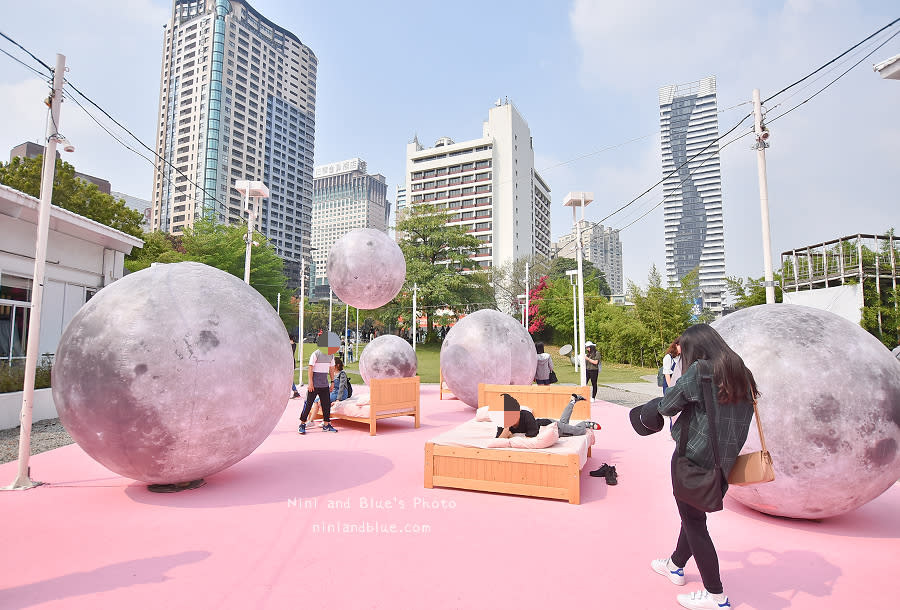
x=516, y=222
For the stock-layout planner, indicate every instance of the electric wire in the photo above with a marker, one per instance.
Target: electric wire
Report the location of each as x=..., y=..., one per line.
x=30, y=54
x=841, y=75
x=864, y=40
x=16, y=59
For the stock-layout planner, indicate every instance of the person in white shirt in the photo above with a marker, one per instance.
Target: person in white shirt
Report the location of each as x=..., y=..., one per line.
x=321, y=374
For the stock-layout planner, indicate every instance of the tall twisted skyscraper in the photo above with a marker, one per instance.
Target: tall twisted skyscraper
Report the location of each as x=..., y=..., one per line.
x=237, y=102
x=694, y=227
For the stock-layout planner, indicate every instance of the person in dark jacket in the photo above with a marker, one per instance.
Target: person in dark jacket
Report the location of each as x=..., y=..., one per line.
x=735, y=391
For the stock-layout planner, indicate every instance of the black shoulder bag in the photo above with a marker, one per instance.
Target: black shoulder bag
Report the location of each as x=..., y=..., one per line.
x=700, y=487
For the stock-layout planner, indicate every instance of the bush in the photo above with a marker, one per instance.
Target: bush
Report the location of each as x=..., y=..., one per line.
x=12, y=376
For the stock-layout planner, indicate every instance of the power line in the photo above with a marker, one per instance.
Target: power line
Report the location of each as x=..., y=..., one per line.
x=30, y=54
x=16, y=59
x=841, y=75
x=867, y=38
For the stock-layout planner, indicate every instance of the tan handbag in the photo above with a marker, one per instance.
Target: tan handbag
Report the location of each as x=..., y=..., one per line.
x=753, y=468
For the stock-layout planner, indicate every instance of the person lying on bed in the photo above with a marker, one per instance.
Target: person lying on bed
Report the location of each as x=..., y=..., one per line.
x=516, y=420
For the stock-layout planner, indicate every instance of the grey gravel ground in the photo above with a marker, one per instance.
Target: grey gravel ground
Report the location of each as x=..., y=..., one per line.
x=45, y=435
x=50, y=434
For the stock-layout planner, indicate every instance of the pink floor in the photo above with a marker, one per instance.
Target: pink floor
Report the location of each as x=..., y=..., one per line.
x=252, y=537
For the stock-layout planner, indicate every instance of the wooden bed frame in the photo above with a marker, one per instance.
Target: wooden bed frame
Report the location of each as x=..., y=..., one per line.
x=389, y=398
x=524, y=473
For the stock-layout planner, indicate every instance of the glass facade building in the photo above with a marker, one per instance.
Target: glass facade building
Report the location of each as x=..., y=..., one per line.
x=692, y=187
x=237, y=102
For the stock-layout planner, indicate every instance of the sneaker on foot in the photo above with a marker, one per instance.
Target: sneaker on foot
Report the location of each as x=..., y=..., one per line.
x=576, y=397
x=296, y=395
x=328, y=428
x=302, y=429
x=664, y=567
x=704, y=600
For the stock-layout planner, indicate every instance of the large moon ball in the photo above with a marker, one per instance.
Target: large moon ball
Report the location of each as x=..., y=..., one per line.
x=387, y=357
x=486, y=347
x=830, y=409
x=366, y=268
x=172, y=373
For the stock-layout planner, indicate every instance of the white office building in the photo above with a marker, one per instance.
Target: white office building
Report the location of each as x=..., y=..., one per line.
x=692, y=212
x=345, y=197
x=237, y=102
x=489, y=185
x=601, y=247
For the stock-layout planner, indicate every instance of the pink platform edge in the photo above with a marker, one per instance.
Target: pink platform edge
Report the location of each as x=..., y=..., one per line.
x=249, y=539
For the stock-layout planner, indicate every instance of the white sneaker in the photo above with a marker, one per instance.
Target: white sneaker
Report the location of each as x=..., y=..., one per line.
x=668, y=569
x=704, y=600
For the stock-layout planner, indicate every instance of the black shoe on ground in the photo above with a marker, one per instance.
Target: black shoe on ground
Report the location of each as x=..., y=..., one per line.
x=611, y=476
x=296, y=395
x=327, y=427
x=600, y=472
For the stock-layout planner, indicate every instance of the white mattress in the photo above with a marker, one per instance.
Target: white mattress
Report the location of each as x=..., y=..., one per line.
x=479, y=434
x=358, y=406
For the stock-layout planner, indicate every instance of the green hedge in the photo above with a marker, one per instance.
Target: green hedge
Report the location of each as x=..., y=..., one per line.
x=12, y=376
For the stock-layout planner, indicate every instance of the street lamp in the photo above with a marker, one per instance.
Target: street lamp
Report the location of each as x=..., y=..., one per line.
x=302, y=302
x=574, y=200
x=573, y=278
x=259, y=191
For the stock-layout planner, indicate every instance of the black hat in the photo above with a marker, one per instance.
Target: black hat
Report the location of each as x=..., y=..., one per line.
x=646, y=419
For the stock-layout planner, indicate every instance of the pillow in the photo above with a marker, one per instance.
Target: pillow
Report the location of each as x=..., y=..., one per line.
x=482, y=414
x=547, y=436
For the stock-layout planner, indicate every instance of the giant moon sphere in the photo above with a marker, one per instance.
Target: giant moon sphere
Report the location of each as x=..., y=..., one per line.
x=486, y=347
x=366, y=268
x=387, y=357
x=172, y=373
x=830, y=408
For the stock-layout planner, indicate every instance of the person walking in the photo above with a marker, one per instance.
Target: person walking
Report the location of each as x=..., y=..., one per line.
x=734, y=390
x=544, y=365
x=671, y=365
x=592, y=366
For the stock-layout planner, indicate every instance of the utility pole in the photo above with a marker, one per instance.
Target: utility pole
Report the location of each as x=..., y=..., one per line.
x=762, y=134
x=302, y=297
x=527, y=295
x=415, y=320
x=23, y=475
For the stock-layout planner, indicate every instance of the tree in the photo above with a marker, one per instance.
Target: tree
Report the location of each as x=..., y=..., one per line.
x=71, y=193
x=158, y=247
x=750, y=292
x=438, y=262
x=665, y=312
x=223, y=247
x=594, y=279
x=509, y=280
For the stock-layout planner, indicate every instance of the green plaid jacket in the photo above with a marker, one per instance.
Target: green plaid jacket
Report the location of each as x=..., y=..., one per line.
x=732, y=421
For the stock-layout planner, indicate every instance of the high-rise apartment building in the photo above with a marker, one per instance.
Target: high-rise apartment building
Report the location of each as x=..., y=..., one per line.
x=601, y=247
x=345, y=197
x=692, y=186
x=488, y=185
x=237, y=102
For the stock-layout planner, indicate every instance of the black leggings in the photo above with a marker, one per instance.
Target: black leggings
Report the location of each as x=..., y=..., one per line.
x=592, y=377
x=324, y=399
x=694, y=540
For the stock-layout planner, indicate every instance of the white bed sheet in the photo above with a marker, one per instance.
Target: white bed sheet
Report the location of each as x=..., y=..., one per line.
x=478, y=434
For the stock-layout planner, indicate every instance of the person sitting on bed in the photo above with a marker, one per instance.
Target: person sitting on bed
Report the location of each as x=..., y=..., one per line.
x=517, y=420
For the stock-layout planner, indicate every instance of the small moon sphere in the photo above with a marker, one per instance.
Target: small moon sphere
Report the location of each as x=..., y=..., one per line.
x=172, y=373
x=487, y=346
x=366, y=268
x=830, y=409
x=388, y=357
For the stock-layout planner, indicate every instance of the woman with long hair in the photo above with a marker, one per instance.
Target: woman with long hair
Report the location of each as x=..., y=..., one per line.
x=733, y=394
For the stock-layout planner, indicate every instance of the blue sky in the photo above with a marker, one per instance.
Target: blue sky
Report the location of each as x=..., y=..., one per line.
x=584, y=74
